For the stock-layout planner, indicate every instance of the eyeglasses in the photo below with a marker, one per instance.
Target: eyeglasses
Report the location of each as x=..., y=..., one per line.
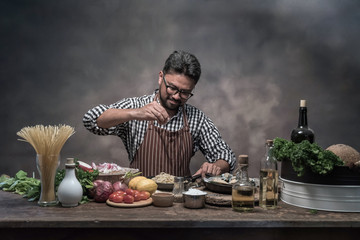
x=172, y=90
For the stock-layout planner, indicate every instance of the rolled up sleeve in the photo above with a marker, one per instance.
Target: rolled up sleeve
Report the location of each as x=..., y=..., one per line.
x=90, y=121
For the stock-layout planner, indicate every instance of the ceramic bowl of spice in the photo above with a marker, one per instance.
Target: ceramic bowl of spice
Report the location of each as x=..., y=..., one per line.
x=194, y=198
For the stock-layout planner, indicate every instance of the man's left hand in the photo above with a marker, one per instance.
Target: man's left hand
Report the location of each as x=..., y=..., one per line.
x=220, y=166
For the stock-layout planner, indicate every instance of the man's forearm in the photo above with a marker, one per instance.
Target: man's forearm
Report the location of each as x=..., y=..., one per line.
x=113, y=117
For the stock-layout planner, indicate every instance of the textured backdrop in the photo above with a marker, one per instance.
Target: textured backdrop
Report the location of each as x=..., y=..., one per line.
x=259, y=58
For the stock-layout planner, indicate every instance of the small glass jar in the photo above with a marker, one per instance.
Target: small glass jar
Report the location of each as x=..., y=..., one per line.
x=178, y=189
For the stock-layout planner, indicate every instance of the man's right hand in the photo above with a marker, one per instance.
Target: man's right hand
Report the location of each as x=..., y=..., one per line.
x=153, y=111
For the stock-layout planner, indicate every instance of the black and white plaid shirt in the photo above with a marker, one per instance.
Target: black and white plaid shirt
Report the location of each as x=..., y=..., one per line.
x=205, y=135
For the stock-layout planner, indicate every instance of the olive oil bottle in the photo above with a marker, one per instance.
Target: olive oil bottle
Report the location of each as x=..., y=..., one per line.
x=268, y=191
x=242, y=191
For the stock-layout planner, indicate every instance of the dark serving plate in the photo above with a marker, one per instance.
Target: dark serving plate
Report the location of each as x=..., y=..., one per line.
x=217, y=187
x=341, y=175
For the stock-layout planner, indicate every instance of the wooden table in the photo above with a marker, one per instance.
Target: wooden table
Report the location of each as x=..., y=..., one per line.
x=20, y=218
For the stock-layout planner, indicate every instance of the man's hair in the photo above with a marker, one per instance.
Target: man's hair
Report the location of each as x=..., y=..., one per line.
x=181, y=62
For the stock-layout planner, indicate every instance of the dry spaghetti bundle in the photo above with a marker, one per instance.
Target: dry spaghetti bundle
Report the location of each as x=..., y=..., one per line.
x=47, y=142
x=46, y=139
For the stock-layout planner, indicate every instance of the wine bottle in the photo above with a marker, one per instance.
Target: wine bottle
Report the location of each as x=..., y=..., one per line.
x=302, y=132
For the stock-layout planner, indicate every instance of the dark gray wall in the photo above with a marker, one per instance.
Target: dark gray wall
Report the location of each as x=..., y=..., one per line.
x=259, y=58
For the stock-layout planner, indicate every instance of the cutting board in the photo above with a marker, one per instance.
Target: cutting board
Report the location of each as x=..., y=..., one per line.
x=141, y=203
x=220, y=199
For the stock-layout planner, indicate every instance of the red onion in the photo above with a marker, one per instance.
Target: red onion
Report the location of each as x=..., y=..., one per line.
x=103, y=189
x=120, y=186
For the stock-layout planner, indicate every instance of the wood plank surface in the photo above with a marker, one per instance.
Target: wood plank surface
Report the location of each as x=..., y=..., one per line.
x=17, y=213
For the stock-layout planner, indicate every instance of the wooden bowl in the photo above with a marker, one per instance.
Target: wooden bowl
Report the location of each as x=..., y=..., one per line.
x=162, y=199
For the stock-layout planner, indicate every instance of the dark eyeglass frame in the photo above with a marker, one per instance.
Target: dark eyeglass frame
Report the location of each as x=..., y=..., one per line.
x=174, y=90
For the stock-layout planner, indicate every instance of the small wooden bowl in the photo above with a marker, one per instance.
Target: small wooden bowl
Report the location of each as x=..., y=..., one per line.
x=162, y=199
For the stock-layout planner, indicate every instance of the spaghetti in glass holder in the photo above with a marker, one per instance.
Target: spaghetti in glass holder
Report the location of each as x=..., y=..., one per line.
x=47, y=166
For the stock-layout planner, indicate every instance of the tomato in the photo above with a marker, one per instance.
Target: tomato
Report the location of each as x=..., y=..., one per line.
x=118, y=199
x=112, y=196
x=137, y=197
x=144, y=195
x=128, y=199
x=130, y=192
x=121, y=193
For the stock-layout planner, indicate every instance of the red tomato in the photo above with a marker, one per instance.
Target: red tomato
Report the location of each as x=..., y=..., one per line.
x=112, y=196
x=128, y=199
x=121, y=193
x=144, y=195
x=137, y=197
x=130, y=192
x=118, y=199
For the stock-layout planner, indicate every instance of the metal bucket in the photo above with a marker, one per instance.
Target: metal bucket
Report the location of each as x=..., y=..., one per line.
x=337, y=198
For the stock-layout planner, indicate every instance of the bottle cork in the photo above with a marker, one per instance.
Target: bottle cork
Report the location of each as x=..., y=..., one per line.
x=269, y=142
x=243, y=159
x=302, y=103
x=70, y=162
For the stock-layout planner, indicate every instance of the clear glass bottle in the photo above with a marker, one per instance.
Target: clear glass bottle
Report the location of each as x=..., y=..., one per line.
x=178, y=189
x=70, y=191
x=243, y=197
x=268, y=191
x=302, y=132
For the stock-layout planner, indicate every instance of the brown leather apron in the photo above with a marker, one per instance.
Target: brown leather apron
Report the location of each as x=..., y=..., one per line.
x=165, y=151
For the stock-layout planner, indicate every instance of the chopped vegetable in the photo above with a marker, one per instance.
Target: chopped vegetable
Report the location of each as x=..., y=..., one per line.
x=306, y=155
x=84, y=166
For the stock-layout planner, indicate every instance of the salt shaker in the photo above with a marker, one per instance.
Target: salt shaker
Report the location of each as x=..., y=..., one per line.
x=178, y=189
x=70, y=191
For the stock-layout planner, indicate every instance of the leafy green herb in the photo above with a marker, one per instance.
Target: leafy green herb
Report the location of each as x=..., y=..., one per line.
x=306, y=155
x=30, y=187
x=21, y=184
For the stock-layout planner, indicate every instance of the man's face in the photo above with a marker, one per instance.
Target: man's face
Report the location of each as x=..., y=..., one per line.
x=174, y=81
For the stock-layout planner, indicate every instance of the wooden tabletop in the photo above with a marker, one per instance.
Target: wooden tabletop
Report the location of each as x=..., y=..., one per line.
x=17, y=213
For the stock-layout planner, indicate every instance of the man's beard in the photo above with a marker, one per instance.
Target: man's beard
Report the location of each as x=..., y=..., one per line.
x=168, y=105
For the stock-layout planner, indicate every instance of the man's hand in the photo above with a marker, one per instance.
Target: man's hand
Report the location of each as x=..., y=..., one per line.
x=217, y=168
x=153, y=111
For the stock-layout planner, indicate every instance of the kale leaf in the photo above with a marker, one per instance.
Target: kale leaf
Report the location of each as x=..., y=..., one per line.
x=306, y=155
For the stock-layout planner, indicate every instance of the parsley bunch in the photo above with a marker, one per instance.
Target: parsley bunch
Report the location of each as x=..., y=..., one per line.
x=306, y=155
